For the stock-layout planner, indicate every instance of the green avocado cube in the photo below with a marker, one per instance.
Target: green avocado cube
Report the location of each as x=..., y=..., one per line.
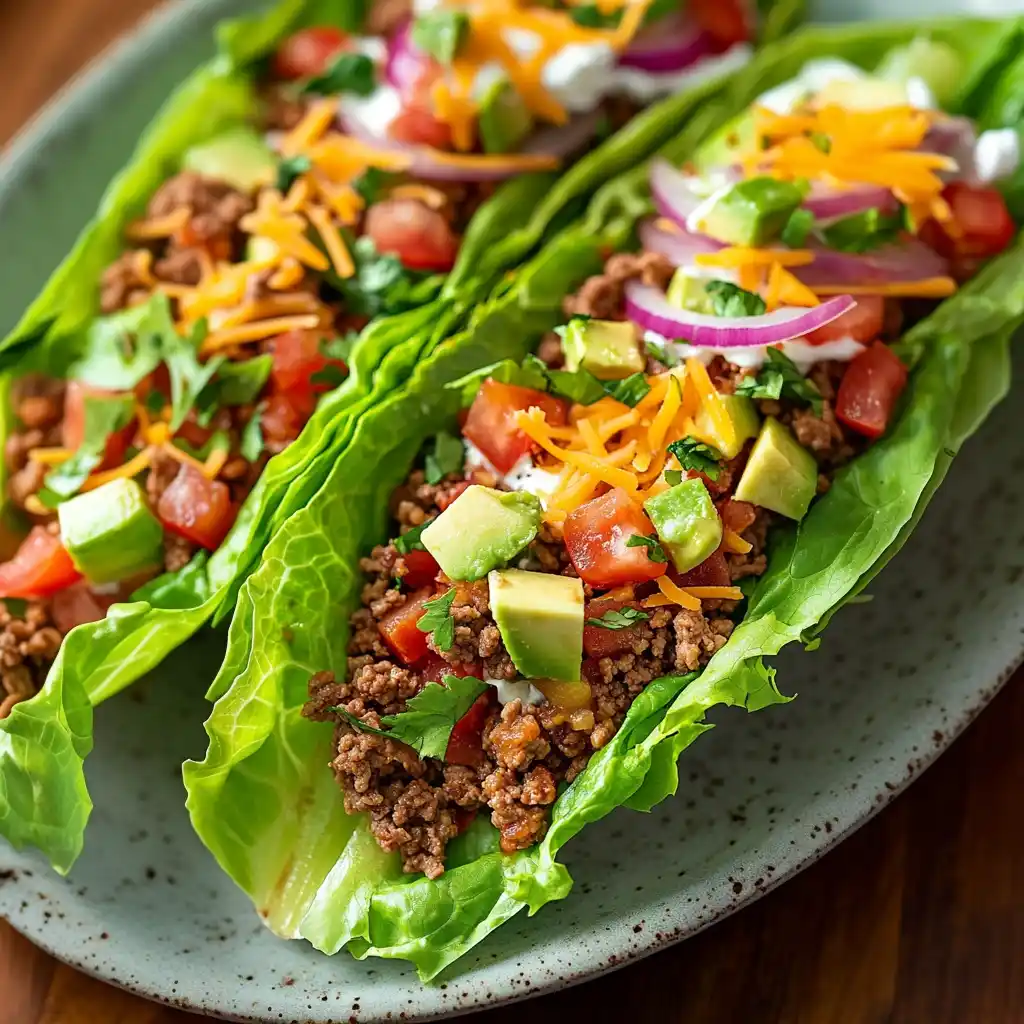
x=688, y=292
x=687, y=522
x=110, y=533
x=606, y=348
x=540, y=618
x=239, y=157
x=746, y=422
x=752, y=212
x=504, y=118
x=780, y=474
x=481, y=530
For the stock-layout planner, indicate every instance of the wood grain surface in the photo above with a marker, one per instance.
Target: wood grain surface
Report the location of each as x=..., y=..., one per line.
x=916, y=919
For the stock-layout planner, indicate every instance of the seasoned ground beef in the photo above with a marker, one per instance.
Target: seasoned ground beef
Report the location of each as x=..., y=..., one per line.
x=38, y=404
x=603, y=296
x=28, y=644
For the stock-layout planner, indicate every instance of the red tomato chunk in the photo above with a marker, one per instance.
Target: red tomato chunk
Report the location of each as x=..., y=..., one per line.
x=39, y=568
x=873, y=382
x=308, y=52
x=597, y=536
x=399, y=630
x=491, y=424
x=198, y=509
x=418, y=236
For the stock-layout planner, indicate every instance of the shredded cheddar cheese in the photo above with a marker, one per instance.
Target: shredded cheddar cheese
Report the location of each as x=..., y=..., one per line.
x=50, y=456
x=231, y=336
x=715, y=593
x=733, y=542
x=928, y=288
x=133, y=467
x=672, y=593
x=155, y=228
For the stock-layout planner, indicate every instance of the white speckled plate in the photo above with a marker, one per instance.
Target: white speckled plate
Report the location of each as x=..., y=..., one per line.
x=894, y=681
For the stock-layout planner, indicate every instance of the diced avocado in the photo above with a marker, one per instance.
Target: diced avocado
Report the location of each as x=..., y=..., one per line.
x=688, y=292
x=733, y=141
x=938, y=64
x=258, y=248
x=607, y=348
x=505, y=120
x=752, y=212
x=239, y=157
x=540, y=618
x=779, y=475
x=745, y=424
x=110, y=532
x=862, y=94
x=687, y=522
x=481, y=531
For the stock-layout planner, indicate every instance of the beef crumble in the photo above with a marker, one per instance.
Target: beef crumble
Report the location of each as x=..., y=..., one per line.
x=28, y=645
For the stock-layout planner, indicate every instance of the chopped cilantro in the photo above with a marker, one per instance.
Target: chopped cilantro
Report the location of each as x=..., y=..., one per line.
x=620, y=618
x=728, y=299
x=429, y=717
x=628, y=391
x=438, y=620
x=662, y=354
x=410, y=540
x=655, y=552
x=251, y=443
x=780, y=378
x=864, y=231
x=820, y=141
x=369, y=184
x=698, y=457
x=446, y=455
x=330, y=376
x=348, y=72
x=290, y=168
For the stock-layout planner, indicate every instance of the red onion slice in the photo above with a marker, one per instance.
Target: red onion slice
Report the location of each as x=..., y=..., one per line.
x=680, y=247
x=647, y=307
x=668, y=44
x=405, y=64
x=673, y=193
x=827, y=203
x=909, y=260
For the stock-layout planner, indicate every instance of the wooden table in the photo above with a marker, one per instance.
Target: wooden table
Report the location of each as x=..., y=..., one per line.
x=917, y=919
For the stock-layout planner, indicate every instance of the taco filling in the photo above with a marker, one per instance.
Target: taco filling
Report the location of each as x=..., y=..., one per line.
x=605, y=512
x=244, y=281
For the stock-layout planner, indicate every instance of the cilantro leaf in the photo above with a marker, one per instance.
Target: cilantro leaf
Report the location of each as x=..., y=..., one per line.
x=429, y=717
x=103, y=417
x=621, y=618
x=410, y=540
x=370, y=183
x=577, y=385
x=237, y=382
x=446, y=455
x=251, y=442
x=629, y=391
x=563, y=329
x=290, y=168
x=331, y=376
x=795, y=385
x=797, y=228
x=340, y=347
x=440, y=33
x=821, y=141
x=728, y=299
x=508, y=371
x=655, y=552
x=188, y=375
x=438, y=620
x=218, y=441
x=667, y=359
x=863, y=231
x=765, y=384
x=348, y=72
x=697, y=456
x=380, y=285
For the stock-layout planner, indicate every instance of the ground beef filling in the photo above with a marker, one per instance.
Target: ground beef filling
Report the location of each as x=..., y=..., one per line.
x=29, y=642
x=417, y=806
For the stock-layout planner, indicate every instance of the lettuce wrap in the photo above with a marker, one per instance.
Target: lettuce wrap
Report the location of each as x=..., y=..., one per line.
x=262, y=799
x=66, y=334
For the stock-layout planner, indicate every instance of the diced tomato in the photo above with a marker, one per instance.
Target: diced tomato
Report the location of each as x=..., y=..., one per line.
x=399, y=629
x=417, y=126
x=433, y=668
x=308, y=52
x=79, y=604
x=283, y=416
x=603, y=643
x=446, y=498
x=198, y=509
x=712, y=572
x=737, y=515
x=422, y=568
x=39, y=568
x=297, y=357
x=418, y=236
x=75, y=394
x=863, y=322
x=191, y=432
x=873, y=382
x=725, y=21
x=491, y=425
x=466, y=743
x=596, y=537
x=984, y=228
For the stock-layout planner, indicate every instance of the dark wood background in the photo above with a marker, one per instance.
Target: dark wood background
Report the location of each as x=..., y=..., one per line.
x=917, y=919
